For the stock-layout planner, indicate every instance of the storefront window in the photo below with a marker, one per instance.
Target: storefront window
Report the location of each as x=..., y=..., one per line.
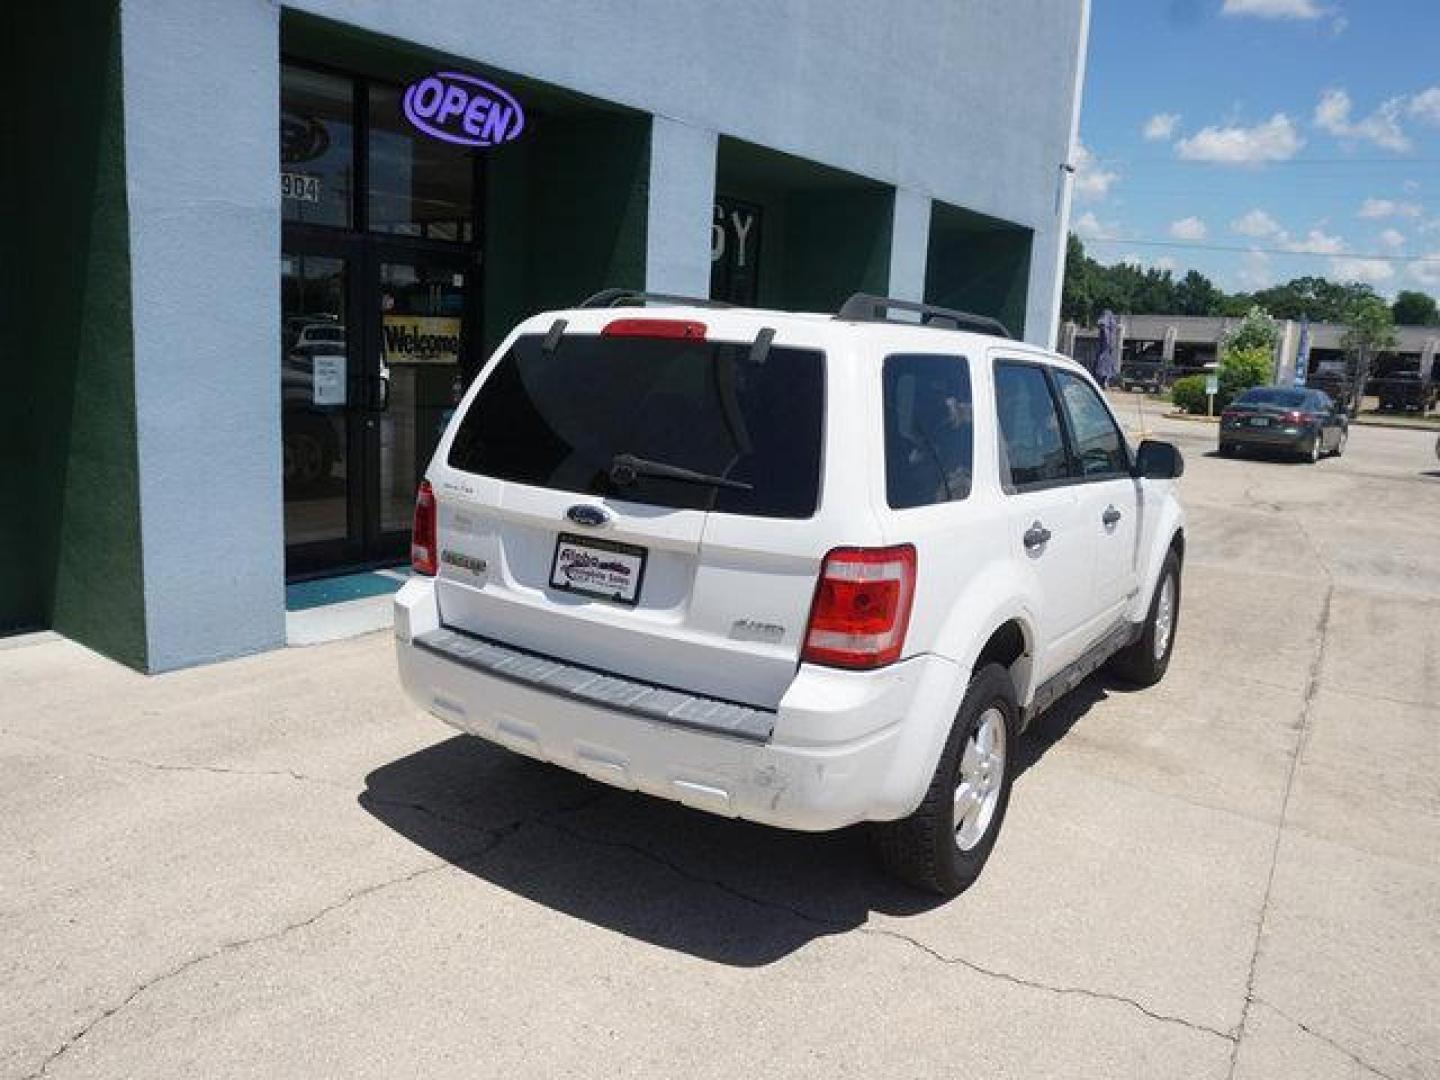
x=419, y=186
x=317, y=160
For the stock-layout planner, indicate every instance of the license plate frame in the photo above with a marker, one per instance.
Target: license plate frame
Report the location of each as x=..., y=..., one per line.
x=1259, y=421
x=616, y=574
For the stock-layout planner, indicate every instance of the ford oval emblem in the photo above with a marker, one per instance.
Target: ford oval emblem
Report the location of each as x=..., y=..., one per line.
x=585, y=514
x=463, y=109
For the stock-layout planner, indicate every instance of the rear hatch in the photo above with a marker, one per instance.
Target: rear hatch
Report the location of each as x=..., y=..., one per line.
x=559, y=532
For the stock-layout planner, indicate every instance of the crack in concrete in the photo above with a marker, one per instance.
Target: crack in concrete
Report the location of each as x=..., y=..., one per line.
x=166, y=766
x=220, y=950
x=834, y=926
x=1307, y=712
x=495, y=836
x=1308, y=1030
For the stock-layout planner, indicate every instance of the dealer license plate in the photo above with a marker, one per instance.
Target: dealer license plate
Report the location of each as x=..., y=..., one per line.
x=604, y=569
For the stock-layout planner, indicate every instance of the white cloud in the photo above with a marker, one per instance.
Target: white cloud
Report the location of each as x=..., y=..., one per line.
x=1087, y=226
x=1425, y=107
x=1381, y=127
x=1393, y=239
x=1275, y=9
x=1372, y=271
x=1255, y=271
x=1427, y=270
x=1189, y=228
x=1274, y=140
x=1316, y=242
x=1092, y=180
x=1161, y=127
x=1384, y=208
x=1257, y=223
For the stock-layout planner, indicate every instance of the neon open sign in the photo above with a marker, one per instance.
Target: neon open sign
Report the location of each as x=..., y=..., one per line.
x=463, y=109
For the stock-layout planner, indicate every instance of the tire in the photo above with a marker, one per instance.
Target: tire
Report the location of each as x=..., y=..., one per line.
x=1227, y=449
x=1340, y=443
x=927, y=849
x=1145, y=662
x=1312, y=455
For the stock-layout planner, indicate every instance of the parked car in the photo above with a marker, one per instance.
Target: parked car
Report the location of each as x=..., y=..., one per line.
x=803, y=570
x=1148, y=377
x=1294, y=420
x=1337, y=383
x=1404, y=391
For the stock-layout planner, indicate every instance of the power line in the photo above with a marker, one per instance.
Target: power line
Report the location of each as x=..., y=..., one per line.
x=1249, y=250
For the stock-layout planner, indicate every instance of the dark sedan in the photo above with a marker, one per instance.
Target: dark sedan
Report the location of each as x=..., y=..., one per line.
x=1282, y=418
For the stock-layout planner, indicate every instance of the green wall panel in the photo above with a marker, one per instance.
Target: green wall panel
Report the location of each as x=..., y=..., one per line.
x=69, y=527
x=978, y=264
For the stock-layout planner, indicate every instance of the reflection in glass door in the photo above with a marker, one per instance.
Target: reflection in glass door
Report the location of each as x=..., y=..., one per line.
x=314, y=390
x=422, y=319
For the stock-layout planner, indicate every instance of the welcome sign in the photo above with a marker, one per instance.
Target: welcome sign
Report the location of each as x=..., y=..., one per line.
x=421, y=339
x=463, y=109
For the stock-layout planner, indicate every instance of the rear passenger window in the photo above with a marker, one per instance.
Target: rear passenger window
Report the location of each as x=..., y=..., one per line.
x=1032, y=446
x=1099, y=446
x=929, y=430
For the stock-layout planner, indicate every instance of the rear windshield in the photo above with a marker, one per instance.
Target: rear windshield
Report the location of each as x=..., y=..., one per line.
x=1269, y=395
x=558, y=419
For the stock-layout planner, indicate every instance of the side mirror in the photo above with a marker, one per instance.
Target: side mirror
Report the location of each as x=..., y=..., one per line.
x=1158, y=460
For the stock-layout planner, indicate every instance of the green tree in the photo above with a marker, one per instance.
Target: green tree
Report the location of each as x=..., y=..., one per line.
x=1195, y=294
x=1257, y=330
x=1318, y=298
x=1369, y=329
x=1415, y=309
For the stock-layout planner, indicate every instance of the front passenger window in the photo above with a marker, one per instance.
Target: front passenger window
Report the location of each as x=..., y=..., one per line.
x=1099, y=446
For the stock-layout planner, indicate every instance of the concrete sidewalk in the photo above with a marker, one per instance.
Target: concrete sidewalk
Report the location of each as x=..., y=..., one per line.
x=277, y=867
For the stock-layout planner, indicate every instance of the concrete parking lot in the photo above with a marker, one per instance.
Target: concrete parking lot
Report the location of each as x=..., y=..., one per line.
x=276, y=867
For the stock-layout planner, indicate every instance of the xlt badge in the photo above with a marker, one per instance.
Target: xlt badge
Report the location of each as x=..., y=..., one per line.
x=750, y=630
x=463, y=561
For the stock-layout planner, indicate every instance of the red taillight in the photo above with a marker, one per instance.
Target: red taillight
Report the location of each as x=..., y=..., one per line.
x=1293, y=417
x=1229, y=414
x=861, y=608
x=685, y=329
x=422, y=535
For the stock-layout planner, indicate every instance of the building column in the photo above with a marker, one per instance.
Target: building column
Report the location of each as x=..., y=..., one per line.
x=909, y=245
x=201, y=91
x=681, y=208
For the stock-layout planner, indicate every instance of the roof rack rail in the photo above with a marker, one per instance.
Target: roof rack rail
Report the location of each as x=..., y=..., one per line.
x=865, y=307
x=606, y=298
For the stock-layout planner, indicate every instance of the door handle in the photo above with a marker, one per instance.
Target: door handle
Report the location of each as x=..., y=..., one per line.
x=1111, y=516
x=1037, y=536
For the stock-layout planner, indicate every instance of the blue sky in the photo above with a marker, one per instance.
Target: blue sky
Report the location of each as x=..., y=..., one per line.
x=1304, y=134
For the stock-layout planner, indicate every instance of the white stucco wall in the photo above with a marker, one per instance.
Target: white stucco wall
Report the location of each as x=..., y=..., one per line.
x=972, y=102
x=202, y=86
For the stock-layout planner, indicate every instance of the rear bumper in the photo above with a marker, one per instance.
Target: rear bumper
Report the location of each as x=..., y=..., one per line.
x=1272, y=436
x=845, y=746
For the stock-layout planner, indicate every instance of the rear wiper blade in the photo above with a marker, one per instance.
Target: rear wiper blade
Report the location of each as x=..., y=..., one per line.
x=626, y=468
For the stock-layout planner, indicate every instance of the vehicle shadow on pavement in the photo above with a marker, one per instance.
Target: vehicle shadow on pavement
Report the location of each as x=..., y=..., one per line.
x=721, y=890
x=1055, y=723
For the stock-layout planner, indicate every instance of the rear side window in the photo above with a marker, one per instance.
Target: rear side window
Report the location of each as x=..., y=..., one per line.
x=929, y=430
x=558, y=418
x=1099, y=446
x=1032, y=445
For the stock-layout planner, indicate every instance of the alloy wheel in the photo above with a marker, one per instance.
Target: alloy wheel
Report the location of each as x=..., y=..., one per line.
x=982, y=776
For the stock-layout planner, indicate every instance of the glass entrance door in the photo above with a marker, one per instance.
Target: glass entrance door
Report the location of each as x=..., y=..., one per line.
x=421, y=302
x=318, y=385
x=364, y=398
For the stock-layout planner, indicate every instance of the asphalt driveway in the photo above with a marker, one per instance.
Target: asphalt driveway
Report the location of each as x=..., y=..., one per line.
x=276, y=867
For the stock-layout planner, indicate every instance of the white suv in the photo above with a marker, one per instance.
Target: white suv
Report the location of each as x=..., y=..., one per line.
x=806, y=570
